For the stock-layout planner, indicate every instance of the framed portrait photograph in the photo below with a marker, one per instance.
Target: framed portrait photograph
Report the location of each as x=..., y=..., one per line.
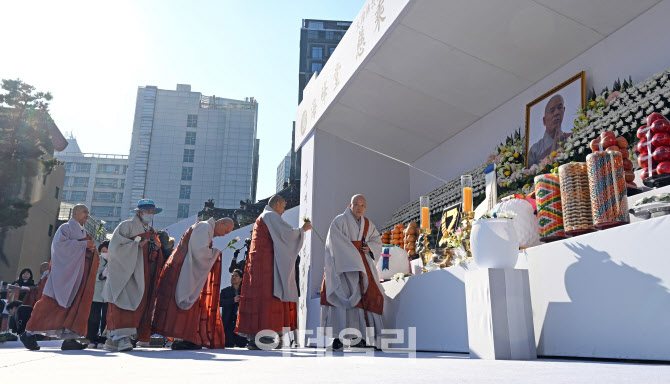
x=550, y=118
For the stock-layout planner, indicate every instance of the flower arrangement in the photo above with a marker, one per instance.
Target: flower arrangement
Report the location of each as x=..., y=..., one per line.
x=498, y=215
x=511, y=175
x=400, y=275
x=460, y=257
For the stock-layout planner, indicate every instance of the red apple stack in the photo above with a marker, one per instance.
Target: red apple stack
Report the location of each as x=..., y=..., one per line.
x=608, y=142
x=654, y=146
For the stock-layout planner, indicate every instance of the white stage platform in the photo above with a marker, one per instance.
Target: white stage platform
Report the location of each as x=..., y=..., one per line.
x=600, y=295
x=302, y=366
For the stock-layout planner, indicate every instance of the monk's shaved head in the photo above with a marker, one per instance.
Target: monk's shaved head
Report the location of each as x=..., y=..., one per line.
x=223, y=226
x=275, y=199
x=80, y=213
x=357, y=197
x=278, y=204
x=358, y=206
x=227, y=221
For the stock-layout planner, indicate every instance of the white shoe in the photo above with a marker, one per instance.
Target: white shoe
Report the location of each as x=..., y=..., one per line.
x=125, y=345
x=111, y=345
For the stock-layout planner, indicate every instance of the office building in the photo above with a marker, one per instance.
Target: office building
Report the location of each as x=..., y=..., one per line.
x=188, y=148
x=97, y=180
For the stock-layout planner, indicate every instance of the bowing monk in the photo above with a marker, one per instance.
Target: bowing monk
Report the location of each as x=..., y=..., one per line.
x=134, y=262
x=269, y=291
x=62, y=310
x=187, y=305
x=351, y=296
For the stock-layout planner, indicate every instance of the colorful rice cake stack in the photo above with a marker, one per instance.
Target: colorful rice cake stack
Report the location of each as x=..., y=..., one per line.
x=607, y=183
x=549, y=207
x=575, y=199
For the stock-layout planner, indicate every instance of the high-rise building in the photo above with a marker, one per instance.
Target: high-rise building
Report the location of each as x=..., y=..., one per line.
x=318, y=40
x=187, y=148
x=283, y=172
x=95, y=179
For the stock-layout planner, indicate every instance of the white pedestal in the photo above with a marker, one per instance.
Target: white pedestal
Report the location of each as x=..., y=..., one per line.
x=500, y=319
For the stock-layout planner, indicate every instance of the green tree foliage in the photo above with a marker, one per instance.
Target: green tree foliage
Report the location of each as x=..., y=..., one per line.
x=24, y=139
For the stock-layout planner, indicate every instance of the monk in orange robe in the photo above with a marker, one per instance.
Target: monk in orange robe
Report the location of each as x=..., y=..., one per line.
x=187, y=305
x=134, y=265
x=63, y=309
x=269, y=290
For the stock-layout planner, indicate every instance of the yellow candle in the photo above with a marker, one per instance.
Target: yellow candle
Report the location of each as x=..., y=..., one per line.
x=425, y=218
x=467, y=199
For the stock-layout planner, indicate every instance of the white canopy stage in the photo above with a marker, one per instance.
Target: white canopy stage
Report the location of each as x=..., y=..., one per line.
x=420, y=91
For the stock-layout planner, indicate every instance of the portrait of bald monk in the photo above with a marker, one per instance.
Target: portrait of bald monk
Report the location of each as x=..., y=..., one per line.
x=351, y=295
x=269, y=290
x=187, y=305
x=554, y=112
x=62, y=310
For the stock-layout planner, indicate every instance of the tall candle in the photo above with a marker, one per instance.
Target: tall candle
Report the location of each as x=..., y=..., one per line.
x=466, y=185
x=467, y=199
x=425, y=218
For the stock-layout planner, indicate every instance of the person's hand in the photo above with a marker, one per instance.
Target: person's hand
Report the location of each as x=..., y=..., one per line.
x=237, y=299
x=143, y=242
x=90, y=244
x=307, y=226
x=365, y=249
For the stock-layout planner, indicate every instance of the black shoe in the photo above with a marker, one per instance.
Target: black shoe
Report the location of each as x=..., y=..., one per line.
x=337, y=346
x=29, y=341
x=362, y=345
x=251, y=345
x=184, y=345
x=72, y=345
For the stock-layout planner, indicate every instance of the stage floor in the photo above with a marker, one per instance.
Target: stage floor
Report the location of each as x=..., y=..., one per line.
x=304, y=365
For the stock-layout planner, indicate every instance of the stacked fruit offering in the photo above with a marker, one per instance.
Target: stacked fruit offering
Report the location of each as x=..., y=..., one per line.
x=654, y=146
x=397, y=235
x=410, y=238
x=386, y=237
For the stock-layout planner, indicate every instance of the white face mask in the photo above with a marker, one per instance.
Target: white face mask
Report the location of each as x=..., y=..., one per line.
x=103, y=255
x=147, y=217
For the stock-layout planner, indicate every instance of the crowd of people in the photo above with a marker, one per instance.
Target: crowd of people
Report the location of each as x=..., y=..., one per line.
x=133, y=286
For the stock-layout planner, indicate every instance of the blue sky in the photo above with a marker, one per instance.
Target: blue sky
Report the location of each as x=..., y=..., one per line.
x=92, y=56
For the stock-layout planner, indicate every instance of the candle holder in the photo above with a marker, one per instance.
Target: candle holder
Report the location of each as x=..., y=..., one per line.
x=468, y=217
x=426, y=254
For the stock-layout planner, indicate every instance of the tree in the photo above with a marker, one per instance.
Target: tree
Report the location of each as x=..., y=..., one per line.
x=24, y=139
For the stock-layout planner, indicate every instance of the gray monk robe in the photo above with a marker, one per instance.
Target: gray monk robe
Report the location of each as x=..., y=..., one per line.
x=132, y=277
x=351, y=289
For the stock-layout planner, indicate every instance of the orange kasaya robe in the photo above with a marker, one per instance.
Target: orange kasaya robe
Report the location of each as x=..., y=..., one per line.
x=259, y=308
x=48, y=315
x=373, y=299
x=201, y=324
x=140, y=318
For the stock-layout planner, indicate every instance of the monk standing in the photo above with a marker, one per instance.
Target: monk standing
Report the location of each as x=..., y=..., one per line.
x=187, y=305
x=62, y=310
x=134, y=265
x=269, y=291
x=351, y=296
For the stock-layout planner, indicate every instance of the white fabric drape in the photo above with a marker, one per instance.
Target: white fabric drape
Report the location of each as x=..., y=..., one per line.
x=68, y=252
x=286, y=242
x=125, y=269
x=197, y=264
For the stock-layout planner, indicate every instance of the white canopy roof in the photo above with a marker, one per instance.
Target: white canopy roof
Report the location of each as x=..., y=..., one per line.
x=410, y=74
